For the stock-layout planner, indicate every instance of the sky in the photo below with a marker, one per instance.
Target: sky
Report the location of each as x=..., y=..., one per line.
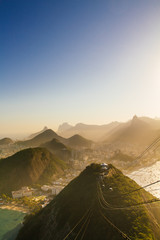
x=90, y=61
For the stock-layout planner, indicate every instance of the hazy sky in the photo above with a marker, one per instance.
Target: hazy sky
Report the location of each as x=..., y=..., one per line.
x=91, y=61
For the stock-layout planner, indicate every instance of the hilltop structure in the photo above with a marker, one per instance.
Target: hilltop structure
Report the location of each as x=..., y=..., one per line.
x=101, y=203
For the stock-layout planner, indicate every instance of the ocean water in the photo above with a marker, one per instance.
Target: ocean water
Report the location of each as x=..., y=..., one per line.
x=148, y=175
x=9, y=220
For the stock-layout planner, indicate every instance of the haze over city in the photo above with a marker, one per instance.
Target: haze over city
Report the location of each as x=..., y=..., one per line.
x=79, y=119
x=76, y=61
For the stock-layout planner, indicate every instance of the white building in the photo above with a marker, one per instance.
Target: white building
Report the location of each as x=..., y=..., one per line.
x=27, y=193
x=56, y=190
x=17, y=194
x=23, y=192
x=25, y=188
x=45, y=188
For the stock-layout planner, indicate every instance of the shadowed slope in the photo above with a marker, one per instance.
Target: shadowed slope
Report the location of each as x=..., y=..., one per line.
x=78, y=211
x=28, y=166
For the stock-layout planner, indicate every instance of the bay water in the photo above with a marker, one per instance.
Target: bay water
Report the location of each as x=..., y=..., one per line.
x=10, y=223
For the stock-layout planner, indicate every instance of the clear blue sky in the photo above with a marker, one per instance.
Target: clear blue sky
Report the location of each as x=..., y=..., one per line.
x=91, y=61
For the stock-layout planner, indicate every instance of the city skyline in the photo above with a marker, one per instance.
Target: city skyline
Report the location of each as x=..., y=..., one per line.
x=77, y=61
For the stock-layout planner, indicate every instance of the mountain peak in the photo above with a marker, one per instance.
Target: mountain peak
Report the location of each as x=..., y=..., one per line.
x=134, y=118
x=137, y=122
x=64, y=127
x=31, y=165
x=37, y=133
x=84, y=203
x=39, y=139
x=78, y=141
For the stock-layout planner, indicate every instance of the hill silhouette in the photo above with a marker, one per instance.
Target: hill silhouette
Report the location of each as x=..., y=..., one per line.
x=48, y=135
x=135, y=131
x=97, y=208
x=28, y=166
x=37, y=133
x=58, y=148
x=78, y=141
x=64, y=127
x=104, y=132
x=93, y=132
x=154, y=123
x=5, y=141
x=41, y=138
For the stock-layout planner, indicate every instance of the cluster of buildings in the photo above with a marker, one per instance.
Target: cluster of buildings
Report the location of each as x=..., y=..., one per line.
x=78, y=162
x=48, y=189
x=1, y=201
x=9, y=149
x=54, y=189
x=23, y=192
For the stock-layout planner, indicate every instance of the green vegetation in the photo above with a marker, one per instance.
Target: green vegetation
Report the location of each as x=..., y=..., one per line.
x=31, y=203
x=27, y=167
x=137, y=217
x=81, y=194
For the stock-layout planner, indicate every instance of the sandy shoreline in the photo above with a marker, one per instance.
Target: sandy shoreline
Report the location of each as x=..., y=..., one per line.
x=148, y=175
x=15, y=208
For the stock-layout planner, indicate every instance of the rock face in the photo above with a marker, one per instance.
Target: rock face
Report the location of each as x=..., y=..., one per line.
x=64, y=127
x=96, y=207
x=28, y=166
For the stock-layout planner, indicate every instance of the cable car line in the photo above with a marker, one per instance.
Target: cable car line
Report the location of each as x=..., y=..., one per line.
x=111, y=207
x=108, y=221
x=77, y=224
x=83, y=225
x=138, y=189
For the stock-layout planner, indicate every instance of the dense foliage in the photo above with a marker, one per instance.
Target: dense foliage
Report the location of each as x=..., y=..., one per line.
x=29, y=166
x=57, y=219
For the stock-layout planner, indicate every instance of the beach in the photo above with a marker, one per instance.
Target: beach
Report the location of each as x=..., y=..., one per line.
x=15, y=207
x=148, y=175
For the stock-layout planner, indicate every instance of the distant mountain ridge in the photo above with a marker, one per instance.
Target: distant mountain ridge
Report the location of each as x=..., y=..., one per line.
x=64, y=127
x=35, y=134
x=41, y=138
x=100, y=133
x=92, y=132
x=137, y=131
x=48, y=135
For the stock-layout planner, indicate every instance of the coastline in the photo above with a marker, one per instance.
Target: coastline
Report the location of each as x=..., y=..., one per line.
x=11, y=221
x=15, y=208
x=148, y=175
